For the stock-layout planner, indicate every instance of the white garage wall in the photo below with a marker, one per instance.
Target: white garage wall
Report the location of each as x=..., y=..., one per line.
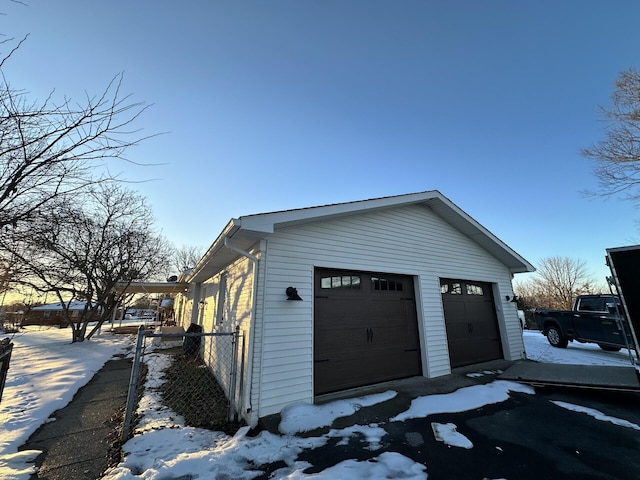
x=227, y=305
x=408, y=240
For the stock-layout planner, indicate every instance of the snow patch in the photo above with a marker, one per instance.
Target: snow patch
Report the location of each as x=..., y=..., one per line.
x=467, y=398
x=449, y=435
x=597, y=414
x=304, y=417
x=388, y=465
x=372, y=433
x=485, y=373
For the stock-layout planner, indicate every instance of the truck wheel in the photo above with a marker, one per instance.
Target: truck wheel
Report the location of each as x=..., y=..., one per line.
x=555, y=337
x=609, y=348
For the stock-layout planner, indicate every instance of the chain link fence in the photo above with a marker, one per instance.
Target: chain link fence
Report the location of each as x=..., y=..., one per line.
x=184, y=379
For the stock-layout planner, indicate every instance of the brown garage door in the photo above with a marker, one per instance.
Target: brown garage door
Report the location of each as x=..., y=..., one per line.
x=365, y=329
x=472, y=325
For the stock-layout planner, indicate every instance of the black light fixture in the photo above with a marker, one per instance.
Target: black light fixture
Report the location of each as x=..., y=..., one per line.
x=292, y=294
x=512, y=299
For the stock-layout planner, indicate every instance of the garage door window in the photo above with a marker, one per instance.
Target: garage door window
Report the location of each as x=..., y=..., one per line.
x=473, y=289
x=452, y=288
x=340, y=281
x=386, y=284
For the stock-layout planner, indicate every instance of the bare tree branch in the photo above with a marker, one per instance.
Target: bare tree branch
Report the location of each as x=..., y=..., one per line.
x=52, y=149
x=617, y=156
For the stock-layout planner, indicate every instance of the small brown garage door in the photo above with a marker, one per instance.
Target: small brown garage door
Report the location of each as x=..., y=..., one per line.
x=365, y=329
x=472, y=325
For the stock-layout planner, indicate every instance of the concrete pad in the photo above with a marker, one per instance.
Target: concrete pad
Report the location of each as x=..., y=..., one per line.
x=171, y=330
x=581, y=376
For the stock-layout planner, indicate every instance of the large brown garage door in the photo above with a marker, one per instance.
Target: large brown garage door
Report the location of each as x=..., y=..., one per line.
x=365, y=329
x=472, y=325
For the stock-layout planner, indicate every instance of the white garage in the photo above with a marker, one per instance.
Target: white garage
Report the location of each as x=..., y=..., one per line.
x=385, y=288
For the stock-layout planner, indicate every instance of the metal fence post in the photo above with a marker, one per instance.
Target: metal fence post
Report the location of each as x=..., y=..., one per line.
x=241, y=392
x=232, y=373
x=133, y=386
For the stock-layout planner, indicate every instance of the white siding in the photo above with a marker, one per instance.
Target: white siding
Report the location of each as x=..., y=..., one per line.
x=233, y=298
x=410, y=240
x=186, y=303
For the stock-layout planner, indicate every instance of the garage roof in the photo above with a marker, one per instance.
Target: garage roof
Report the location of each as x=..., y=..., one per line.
x=151, y=287
x=245, y=231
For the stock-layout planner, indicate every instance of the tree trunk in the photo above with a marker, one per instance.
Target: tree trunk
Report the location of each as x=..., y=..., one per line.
x=95, y=329
x=79, y=329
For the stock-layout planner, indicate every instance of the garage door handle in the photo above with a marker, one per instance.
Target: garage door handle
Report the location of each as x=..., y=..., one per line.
x=320, y=361
x=369, y=335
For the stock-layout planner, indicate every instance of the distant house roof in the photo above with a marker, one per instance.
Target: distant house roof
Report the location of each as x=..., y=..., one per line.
x=245, y=231
x=59, y=306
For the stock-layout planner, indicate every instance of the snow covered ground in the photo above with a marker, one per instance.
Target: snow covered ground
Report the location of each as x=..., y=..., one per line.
x=539, y=350
x=46, y=370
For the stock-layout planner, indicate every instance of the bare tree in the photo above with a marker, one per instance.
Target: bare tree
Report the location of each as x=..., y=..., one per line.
x=49, y=149
x=81, y=248
x=617, y=156
x=186, y=257
x=556, y=283
x=7, y=272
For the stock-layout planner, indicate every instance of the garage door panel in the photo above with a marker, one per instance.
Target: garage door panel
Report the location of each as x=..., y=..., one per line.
x=339, y=341
x=473, y=335
x=356, y=371
x=364, y=333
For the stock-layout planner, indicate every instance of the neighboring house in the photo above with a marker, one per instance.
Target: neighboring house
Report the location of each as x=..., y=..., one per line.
x=53, y=314
x=386, y=288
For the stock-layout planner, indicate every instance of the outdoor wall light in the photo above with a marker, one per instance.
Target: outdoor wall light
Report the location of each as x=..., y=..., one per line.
x=292, y=294
x=512, y=299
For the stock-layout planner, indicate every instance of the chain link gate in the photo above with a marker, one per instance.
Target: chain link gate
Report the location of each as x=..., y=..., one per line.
x=195, y=383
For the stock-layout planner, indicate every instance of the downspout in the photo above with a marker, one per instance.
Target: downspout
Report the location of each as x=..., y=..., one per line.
x=195, y=304
x=254, y=298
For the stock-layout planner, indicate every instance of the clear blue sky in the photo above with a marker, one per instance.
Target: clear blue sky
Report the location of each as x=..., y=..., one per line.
x=274, y=105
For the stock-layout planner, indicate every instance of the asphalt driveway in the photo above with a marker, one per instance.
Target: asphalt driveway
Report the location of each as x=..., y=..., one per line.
x=544, y=435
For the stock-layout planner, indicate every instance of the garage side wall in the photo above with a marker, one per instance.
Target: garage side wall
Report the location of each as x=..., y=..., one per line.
x=410, y=240
x=226, y=302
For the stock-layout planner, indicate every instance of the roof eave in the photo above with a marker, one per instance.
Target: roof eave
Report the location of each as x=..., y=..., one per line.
x=218, y=256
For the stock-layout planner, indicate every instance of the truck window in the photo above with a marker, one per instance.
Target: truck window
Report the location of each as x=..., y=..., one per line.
x=593, y=304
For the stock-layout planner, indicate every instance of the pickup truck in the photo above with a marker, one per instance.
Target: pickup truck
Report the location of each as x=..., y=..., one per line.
x=593, y=319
